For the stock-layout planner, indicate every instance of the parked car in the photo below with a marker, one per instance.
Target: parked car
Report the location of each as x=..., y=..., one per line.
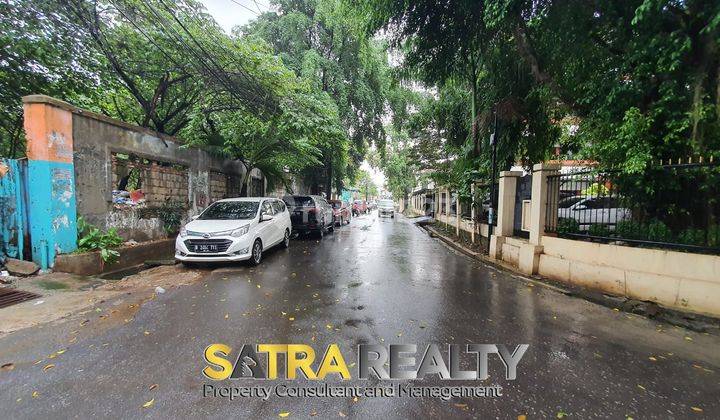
x=386, y=208
x=341, y=212
x=587, y=211
x=372, y=205
x=310, y=214
x=234, y=229
x=359, y=207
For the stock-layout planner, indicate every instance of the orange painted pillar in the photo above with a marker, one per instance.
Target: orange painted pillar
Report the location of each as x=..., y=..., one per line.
x=52, y=208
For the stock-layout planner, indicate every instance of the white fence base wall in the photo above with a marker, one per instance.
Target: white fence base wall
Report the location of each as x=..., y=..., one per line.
x=679, y=280
x=465, y=225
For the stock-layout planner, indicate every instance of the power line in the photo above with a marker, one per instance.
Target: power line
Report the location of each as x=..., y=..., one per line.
x=245, y=7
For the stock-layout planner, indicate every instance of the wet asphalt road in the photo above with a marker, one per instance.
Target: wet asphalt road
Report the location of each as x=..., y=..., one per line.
x=376, y=281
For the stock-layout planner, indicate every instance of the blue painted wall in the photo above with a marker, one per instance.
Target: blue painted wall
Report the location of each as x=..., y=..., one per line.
x=51, y=209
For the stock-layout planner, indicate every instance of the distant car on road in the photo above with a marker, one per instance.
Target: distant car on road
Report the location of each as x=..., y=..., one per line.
x=310, y=214
x=372, y=205
x=359, y=207
x=386, y=208
x=341, y=212
x=234, y=229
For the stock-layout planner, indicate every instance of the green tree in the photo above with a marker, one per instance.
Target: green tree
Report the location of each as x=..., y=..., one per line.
x=322, y=42
x=39, y=53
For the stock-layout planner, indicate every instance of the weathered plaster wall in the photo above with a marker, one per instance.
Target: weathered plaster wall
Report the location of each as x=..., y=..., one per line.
x=97, y=138
x=92, y=139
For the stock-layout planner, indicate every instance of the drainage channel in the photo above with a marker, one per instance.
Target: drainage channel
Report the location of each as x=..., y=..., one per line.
x=9, y=297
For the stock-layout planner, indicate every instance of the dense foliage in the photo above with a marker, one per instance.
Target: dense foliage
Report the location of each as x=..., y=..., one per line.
x=323, y=43
x=620, y=82
x=310, y=97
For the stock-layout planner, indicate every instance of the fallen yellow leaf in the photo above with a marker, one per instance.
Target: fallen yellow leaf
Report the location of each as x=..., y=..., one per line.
x=696, y=409
x=652, y=359
x=284, y=414
x=153, y=386
x=227, y=316
x=291, y=318
x=149, y=403
x=48, y=367
x=522, y=417
x=35, y=394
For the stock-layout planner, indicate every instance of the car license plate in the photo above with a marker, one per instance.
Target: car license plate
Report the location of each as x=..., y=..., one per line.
x=206, y=248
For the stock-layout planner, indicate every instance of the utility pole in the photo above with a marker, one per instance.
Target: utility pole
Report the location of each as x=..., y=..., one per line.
x=493, y=143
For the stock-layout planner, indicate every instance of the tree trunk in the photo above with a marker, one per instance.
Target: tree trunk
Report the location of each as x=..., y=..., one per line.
x=528, y=54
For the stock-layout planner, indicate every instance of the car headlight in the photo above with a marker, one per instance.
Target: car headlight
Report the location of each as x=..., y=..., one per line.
x=240, y=231
x=183, y=232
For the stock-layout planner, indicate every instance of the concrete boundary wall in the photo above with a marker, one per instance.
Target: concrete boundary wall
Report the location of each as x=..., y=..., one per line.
x=95, y=138
x=678, y=280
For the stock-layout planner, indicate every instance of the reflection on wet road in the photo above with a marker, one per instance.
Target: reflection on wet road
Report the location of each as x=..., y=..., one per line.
x=377, y=281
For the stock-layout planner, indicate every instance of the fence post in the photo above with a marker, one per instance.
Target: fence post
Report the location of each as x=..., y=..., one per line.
x=51, y=179
x=529, y=254
x=539, y=199
x=472, y=212
x=506, y=202
x=506, y=211
x=457, y=215
x=447, y=205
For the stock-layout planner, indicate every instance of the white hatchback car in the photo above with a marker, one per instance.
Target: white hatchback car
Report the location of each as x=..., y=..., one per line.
x=234, y=229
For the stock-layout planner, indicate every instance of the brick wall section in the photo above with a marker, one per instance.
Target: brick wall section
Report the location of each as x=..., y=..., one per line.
x=160, y=181
x=218, y=186
x=234, y=186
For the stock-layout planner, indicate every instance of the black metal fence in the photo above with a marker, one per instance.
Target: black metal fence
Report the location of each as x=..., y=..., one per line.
x=670, y=206
x=483, y=202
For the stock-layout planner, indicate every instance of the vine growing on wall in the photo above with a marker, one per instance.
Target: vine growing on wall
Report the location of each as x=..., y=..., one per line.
x=171, y=215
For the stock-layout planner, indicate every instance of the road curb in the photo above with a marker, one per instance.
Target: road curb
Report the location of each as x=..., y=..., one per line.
x=497, y=265
x=649, y=310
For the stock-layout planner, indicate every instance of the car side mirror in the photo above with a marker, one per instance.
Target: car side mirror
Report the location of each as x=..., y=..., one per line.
x=195, y=217
x=266, y=217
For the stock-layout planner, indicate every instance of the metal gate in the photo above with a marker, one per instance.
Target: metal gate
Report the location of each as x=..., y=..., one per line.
x=13, y=207
x=522, y=193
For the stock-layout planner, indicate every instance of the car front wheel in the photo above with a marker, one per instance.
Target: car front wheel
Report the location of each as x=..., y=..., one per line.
x=286, y=240
x=256, y=256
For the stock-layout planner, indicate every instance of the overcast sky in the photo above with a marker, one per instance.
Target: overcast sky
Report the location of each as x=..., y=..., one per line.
x=230, y=13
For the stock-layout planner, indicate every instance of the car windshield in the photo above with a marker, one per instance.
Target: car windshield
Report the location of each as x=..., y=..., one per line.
x=299, y=201
x=231, y=210
x=385, y=203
